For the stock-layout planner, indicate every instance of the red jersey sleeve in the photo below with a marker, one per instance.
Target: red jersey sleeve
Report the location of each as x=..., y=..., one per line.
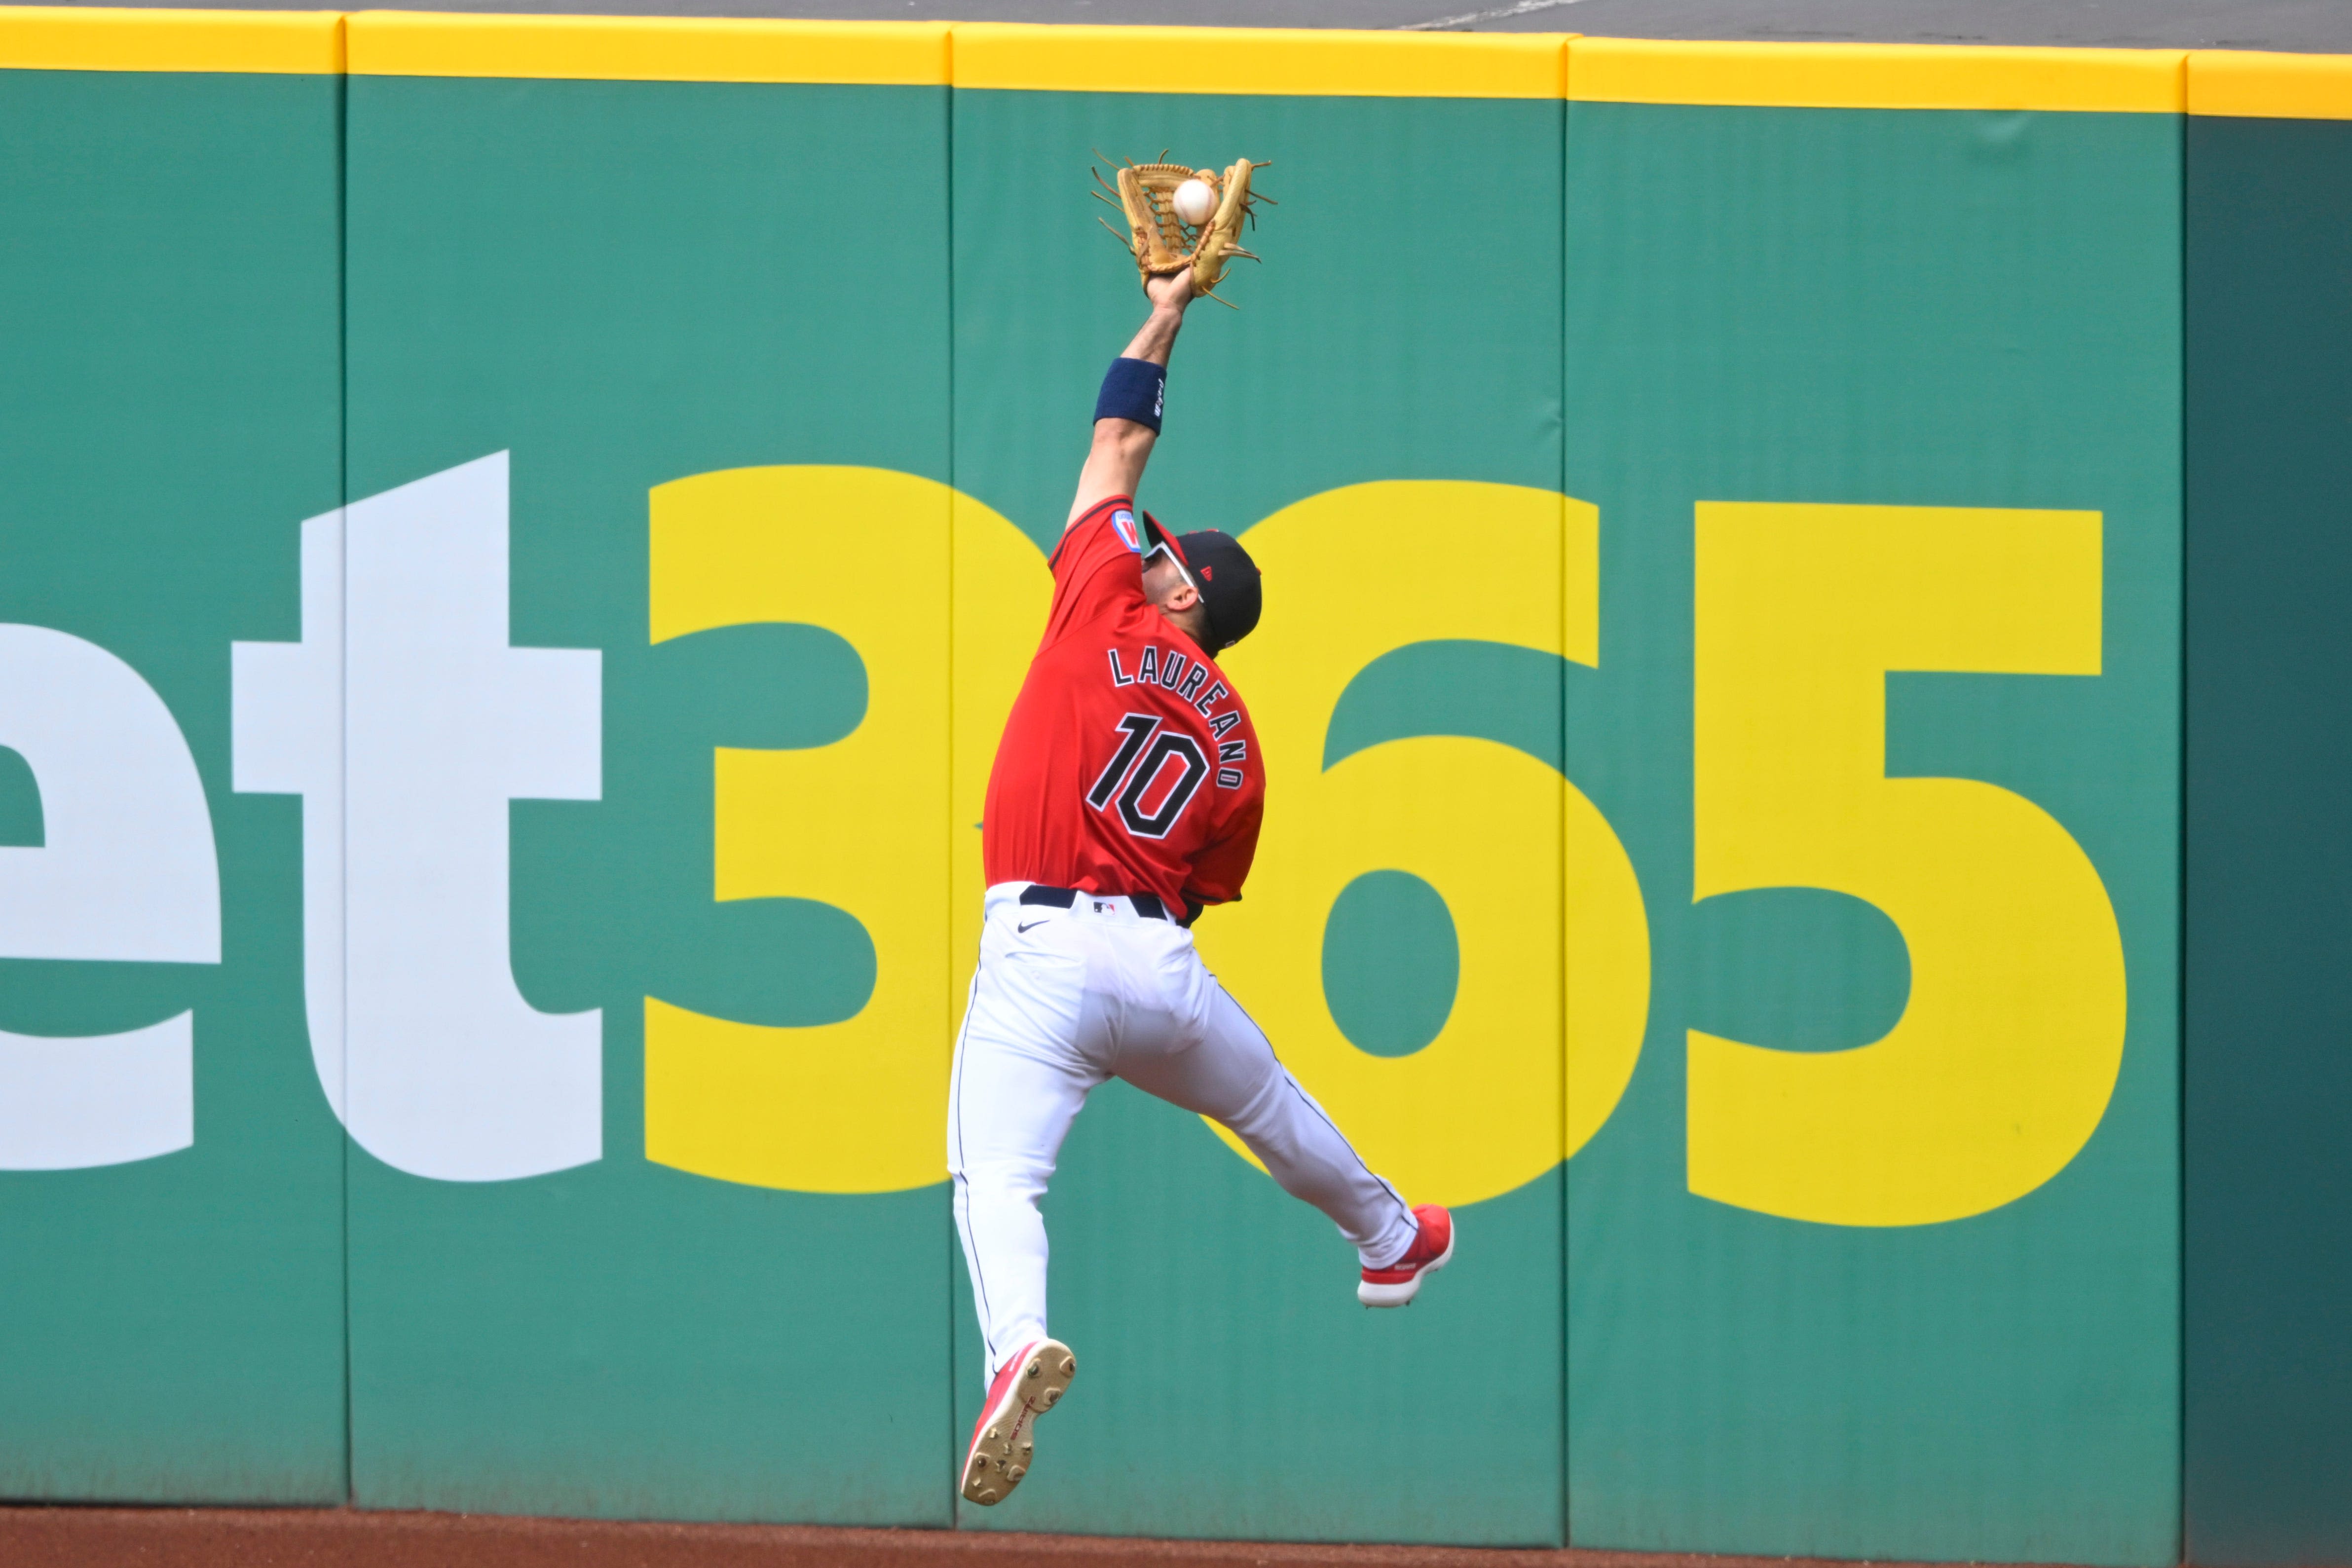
x=1097, y=566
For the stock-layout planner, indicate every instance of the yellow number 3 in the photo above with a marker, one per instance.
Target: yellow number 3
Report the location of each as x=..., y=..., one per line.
x=850, y=1107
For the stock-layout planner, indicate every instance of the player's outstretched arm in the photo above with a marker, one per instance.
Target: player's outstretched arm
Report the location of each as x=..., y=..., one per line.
x=1122, y=445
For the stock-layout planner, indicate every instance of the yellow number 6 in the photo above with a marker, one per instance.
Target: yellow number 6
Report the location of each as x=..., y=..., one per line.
x=1513, y=1084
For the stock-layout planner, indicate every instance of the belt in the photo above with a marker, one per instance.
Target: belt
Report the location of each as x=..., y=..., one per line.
x=1147, y=905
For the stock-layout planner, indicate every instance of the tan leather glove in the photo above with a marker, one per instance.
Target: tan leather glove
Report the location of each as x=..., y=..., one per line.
x=1162, y=242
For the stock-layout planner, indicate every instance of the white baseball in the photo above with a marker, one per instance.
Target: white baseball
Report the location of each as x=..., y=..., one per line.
x=1196, y=201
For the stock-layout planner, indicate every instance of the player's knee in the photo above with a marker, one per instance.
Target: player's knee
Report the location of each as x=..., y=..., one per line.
x=1004, y=1176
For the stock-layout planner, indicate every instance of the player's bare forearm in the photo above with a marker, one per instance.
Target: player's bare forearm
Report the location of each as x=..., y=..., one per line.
x=1121, y=448
x=1156, y=337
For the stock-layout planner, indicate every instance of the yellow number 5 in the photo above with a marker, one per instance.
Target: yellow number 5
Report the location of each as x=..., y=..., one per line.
x=2003, y=1063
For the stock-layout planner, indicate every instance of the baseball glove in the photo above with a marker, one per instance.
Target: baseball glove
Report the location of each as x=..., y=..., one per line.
x=1158, y=236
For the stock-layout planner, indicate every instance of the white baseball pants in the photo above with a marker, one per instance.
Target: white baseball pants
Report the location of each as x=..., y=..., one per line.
x=1066, y=998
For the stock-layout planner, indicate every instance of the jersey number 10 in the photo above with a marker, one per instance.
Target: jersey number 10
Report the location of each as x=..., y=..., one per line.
x=1139, y=728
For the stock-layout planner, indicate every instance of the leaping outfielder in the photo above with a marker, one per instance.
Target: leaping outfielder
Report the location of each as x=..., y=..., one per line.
x=1126, y=798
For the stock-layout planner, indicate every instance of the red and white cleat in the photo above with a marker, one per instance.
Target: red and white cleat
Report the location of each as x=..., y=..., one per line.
x=1026, y=1387
x=1431, y=1250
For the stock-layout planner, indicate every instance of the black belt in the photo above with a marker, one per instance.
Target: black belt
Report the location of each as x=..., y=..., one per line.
x=1147, y=905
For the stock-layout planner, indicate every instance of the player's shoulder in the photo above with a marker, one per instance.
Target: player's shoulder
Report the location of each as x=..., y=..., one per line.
x=1219, y=702
x=1231, y=697
x=1111, y=518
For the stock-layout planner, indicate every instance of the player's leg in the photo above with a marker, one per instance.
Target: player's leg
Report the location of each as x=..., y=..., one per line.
x=1231, y=1070
x=1018, y=1082
x=1211, y=1057
x=1021, y=1075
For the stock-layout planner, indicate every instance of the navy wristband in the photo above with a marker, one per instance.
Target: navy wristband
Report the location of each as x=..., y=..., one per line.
x=1133, y=389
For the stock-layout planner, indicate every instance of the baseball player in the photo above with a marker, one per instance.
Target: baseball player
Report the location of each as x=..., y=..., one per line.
x=1125, y=799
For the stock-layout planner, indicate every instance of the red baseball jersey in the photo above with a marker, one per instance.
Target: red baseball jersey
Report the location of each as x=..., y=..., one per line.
x=1128, y=764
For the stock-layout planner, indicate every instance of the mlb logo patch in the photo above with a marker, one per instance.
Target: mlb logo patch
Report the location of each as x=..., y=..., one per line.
x=1124, y=521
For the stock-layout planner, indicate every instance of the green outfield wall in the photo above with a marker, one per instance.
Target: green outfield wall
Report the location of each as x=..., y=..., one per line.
x=2269, y=1365
x=618, y=284
x=521, y=537
x=170, y=384
x=1784, y=1251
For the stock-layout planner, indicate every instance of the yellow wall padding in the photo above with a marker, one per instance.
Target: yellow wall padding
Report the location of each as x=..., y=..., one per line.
x=75, y=38
x=2268, y=86
x=1277, y=62
x=649, y=48
x=1874, y=76
x=1268, y=61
